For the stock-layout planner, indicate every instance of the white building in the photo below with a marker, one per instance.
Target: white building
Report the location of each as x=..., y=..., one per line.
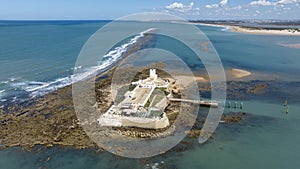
x=134, y=103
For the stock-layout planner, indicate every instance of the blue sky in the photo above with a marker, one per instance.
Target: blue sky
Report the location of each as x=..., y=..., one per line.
x=113, y=9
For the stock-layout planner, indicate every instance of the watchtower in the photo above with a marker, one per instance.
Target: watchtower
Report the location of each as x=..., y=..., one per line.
x=153, y=74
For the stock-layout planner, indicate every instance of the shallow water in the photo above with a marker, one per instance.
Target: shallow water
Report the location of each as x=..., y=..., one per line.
x=36, y=53
x=266, y=142
x=268, y=138
x=38, y=57
x=261, y=53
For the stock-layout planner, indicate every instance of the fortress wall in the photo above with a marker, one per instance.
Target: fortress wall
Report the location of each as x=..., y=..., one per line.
x=142, y=123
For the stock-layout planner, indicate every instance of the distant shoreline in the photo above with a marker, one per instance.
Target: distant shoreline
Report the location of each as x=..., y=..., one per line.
x=254, y=30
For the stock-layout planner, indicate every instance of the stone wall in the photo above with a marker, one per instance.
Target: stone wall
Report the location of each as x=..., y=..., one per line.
x=157, y=123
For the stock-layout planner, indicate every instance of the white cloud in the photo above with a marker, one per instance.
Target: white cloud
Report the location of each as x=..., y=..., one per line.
x=180, y=7
x=276, y=3
x=287, y=1
x=261, y=3
x=212, y=6
x=175, y=5
x=223, y=2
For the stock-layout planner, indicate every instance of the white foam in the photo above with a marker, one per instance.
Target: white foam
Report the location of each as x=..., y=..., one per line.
x=3, y=100
x=111, y=58
x=34, y=86
x=1, y=93
x=225, y=29
x=156, y=165
x=4, y=82
x=14, y=99
x=78, y=67
x=12, y=79
x=19, y=84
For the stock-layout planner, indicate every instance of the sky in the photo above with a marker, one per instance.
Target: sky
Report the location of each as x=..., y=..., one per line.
x=113, y=9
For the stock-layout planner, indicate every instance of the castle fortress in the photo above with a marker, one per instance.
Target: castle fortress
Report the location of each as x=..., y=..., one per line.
x=133, y=111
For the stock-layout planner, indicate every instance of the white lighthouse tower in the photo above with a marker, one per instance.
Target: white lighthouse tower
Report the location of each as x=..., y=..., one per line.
x=153, y=75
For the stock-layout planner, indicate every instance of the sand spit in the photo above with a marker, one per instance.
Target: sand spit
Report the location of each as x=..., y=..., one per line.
x=239, y=73
x=256, y=31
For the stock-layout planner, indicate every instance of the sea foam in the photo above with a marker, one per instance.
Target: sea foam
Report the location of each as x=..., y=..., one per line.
x=35, y=88
x=225, y=29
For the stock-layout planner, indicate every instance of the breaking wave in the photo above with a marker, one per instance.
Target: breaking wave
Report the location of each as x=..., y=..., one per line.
x=35, y=88
x=226, y=29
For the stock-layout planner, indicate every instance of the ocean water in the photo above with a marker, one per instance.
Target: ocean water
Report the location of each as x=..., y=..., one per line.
x=38, y=57
x=257, y=52
x=34, y=54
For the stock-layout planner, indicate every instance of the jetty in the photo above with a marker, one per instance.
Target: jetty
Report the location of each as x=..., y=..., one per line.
x=203, y=103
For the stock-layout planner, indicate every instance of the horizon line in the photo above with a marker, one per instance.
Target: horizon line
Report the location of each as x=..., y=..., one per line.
x=190, y=20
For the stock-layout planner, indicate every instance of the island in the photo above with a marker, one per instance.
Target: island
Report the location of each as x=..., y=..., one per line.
x=51, y=119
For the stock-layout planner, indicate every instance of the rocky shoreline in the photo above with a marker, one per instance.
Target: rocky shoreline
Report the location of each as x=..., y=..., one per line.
x=51, y=120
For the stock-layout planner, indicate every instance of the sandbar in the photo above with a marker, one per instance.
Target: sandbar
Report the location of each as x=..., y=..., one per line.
x=239, y=73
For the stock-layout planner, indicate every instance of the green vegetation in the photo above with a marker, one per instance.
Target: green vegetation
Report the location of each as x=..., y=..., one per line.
x=158, y=94
x=158, y=98
x=163, y=90
x=147, y=103
x=131, y=87
x=156, y=114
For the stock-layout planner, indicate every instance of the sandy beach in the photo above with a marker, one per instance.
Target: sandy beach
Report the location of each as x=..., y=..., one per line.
x=256, y=31
x=284, y=32
x=239, y=73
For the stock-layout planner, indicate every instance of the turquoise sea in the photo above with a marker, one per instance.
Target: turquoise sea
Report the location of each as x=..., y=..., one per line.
x=37, y=57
